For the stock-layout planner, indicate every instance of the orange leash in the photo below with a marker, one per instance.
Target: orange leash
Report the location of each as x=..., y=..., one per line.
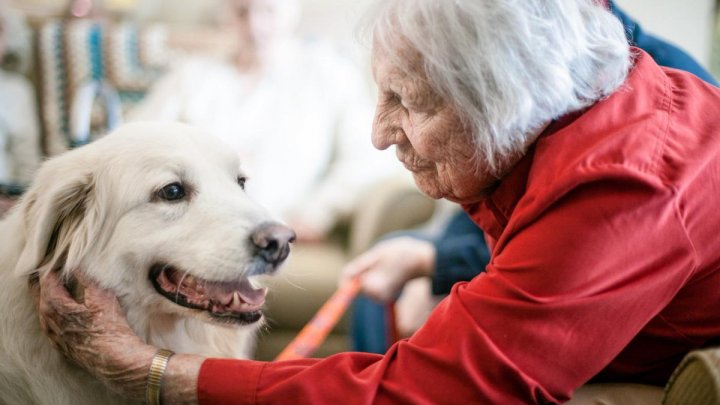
x=315, y=332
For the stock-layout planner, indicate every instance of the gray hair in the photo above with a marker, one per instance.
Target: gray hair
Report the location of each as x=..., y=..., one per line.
x=508, y=66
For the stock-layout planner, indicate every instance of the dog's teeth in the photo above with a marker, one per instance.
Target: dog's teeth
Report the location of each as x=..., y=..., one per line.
x=190, y=282
x=235, y=300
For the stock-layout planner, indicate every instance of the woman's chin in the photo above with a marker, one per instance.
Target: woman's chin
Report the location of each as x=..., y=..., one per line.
x=467, y=200
x=460, y=195
x=428, y=187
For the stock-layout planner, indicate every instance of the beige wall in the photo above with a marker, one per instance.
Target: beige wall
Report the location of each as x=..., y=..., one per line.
x=686, y=23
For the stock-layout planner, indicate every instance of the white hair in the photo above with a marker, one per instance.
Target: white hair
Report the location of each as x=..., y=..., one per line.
x=508, y=66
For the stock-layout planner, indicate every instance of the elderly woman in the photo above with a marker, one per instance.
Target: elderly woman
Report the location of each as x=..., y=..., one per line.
x=416, y=269
x=593, y=172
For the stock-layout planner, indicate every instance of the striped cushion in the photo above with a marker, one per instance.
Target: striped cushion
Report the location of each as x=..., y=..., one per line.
x=696, y=380
x=90, y=72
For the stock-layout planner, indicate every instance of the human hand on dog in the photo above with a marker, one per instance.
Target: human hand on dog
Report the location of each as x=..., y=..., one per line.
x=387, y=266
x=93, y=333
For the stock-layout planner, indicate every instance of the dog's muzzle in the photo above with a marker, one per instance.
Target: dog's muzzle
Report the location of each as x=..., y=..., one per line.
x=228, y=301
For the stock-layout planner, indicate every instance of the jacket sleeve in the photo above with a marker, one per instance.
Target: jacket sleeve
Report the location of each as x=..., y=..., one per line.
x=537, y=325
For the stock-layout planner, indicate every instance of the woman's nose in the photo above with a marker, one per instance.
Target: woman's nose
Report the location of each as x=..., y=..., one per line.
x=385, y=132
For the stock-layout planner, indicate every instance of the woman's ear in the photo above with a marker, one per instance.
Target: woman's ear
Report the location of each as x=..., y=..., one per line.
x=54, y=216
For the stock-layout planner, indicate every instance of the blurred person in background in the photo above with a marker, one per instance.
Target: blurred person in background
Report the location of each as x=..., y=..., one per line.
x=19, y=126
x=296, y=112
x=86, y=9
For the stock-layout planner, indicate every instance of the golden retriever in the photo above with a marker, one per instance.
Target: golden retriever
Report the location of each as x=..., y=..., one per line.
x=157, y=213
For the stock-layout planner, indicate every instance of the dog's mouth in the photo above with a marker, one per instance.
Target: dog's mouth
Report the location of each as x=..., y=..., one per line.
x=230, y=302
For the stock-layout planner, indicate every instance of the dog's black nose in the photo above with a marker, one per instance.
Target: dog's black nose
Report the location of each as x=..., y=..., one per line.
x=272, y=241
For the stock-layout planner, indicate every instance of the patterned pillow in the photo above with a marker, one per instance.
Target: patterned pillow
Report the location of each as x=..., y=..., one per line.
x=90, y=72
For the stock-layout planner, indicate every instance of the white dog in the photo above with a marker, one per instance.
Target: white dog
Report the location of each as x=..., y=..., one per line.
x=158, y=214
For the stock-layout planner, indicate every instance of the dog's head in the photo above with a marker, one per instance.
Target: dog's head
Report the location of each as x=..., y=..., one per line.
x=157, y=213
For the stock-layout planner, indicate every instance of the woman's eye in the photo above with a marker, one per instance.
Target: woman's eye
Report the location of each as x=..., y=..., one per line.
x=172, y=192
x=241, y=181
x=392, y=98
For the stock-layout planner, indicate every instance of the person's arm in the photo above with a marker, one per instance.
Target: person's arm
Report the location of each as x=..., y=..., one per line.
x=180, y=382
x=541, y=322
x=391, y=263
x=460, y=254
x=96, y=335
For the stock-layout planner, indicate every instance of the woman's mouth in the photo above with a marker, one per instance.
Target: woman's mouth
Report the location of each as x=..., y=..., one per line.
x=412, y=162
x=413, y=167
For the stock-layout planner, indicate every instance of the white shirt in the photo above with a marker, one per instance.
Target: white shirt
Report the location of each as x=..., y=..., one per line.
x=302, y=131
x=19, y=130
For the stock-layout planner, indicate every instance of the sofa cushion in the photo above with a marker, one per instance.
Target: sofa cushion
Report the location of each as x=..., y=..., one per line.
x=696, y=380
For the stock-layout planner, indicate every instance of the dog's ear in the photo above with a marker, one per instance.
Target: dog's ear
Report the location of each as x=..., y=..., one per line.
x=55, y=215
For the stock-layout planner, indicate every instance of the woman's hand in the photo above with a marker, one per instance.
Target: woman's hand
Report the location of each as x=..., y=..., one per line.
x=94, y=334
x=390, y=264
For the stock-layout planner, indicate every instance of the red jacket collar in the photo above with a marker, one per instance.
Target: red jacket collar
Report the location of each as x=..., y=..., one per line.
x=492, y=213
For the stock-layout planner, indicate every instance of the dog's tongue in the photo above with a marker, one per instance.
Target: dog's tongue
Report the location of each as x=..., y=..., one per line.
x=238, y=296
x=249, y=294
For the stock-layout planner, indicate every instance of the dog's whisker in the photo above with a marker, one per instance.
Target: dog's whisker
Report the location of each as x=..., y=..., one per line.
x=263, y=331
x=293, y=284
x=177, y=286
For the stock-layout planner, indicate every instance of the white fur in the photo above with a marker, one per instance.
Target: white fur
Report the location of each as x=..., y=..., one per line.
x=100, y=200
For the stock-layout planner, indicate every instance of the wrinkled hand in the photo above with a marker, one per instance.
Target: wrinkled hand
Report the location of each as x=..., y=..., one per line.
x=390, y=264
x=94, y=334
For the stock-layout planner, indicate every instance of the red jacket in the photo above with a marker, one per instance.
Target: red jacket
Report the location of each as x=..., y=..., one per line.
x=606, y=265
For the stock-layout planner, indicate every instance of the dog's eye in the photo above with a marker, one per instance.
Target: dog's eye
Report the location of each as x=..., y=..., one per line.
x=241, y=181
x=172, y=192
